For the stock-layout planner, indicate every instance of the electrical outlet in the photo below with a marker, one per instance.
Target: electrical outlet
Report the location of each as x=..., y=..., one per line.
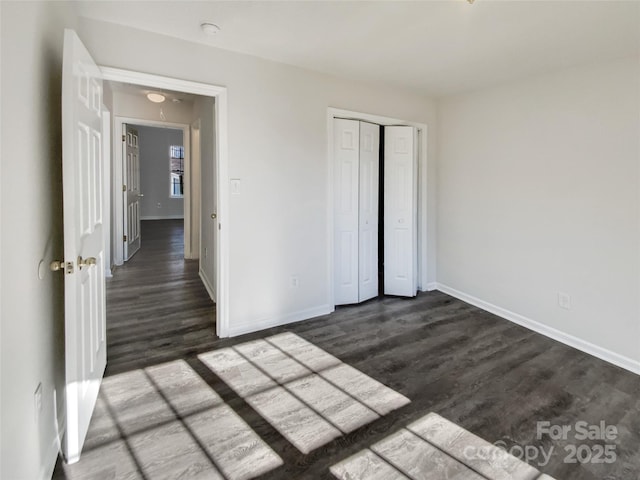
x=294, y=282
x=564, y=300
x=159, y=205
x=37, y=402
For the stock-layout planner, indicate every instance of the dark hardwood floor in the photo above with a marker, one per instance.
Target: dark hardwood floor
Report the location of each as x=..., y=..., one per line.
x=157, y=308
x=488, y=375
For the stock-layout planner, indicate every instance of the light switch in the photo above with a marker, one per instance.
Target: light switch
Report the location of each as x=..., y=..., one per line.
x=235, y=186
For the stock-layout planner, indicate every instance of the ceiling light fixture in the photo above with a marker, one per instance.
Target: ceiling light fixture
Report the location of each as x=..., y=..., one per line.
x=209, y=28
x=155, y=97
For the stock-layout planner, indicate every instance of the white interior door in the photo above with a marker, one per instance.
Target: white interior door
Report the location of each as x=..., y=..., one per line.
x=85, y=337
x=346, y=178
x=368, y=211
x=400, y=211
x=132, y=194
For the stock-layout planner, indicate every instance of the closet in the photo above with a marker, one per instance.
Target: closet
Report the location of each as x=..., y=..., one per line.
x=358, y=161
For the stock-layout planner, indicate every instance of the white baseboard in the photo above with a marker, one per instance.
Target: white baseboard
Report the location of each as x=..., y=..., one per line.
x=207, y=284
x=163, y=217
x=431, y=287
x=570, y=340
x=280, y=320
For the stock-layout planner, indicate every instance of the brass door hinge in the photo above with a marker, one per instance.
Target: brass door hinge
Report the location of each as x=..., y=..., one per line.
x=124, y=238
x=124, y=188
x=124, y=138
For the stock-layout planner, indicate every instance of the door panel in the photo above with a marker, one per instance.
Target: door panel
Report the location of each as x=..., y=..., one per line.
x=132, y=192
x=368, y=211
x=400, y=211
x=82, y=164
x=346, y=158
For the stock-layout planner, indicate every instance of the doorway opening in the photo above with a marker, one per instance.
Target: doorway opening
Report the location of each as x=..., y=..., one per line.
x=159, y=304
x=154, y=157
x=207, y=209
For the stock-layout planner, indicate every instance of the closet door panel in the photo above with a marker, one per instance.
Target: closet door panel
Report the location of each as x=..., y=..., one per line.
x=368, y=211
x=346, y=203
x=400, y=211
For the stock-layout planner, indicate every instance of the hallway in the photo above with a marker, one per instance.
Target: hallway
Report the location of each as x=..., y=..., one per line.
x=157, y=308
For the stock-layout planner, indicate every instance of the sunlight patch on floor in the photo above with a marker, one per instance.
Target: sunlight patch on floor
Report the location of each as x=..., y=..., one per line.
x=166, y=422
x=434, y=448
x=308, y=395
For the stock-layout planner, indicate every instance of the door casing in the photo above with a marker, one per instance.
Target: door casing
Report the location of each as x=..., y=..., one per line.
x=221, y=182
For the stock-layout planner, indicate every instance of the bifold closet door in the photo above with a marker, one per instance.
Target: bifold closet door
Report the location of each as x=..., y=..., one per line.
x=368, y=211
x=346, y=154
x=400, y=211
x=356, y=187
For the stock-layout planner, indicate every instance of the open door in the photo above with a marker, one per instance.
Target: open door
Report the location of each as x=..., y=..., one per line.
x=82, y=166
x=132, y=193
x=400, y=211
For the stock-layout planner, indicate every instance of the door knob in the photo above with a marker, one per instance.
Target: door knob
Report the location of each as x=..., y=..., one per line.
x=86, y=262
x=213, y=216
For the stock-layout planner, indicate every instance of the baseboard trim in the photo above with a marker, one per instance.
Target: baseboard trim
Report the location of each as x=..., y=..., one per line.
x=280, y=320
x=162, y=217
x=570, y=340
x=207, y=285
x=431, y=286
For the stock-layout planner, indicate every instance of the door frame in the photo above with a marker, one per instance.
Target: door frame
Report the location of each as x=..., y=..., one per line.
x=221, y=182
x=106, y=189
x=196, y=188
x=118, y=179
x=332, y=113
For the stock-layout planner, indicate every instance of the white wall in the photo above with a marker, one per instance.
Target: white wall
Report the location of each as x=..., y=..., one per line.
x=204, y=111
x=31, y=309
x=538, y=193
x=154, y=173
x=278, y=225
x=137, y=106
